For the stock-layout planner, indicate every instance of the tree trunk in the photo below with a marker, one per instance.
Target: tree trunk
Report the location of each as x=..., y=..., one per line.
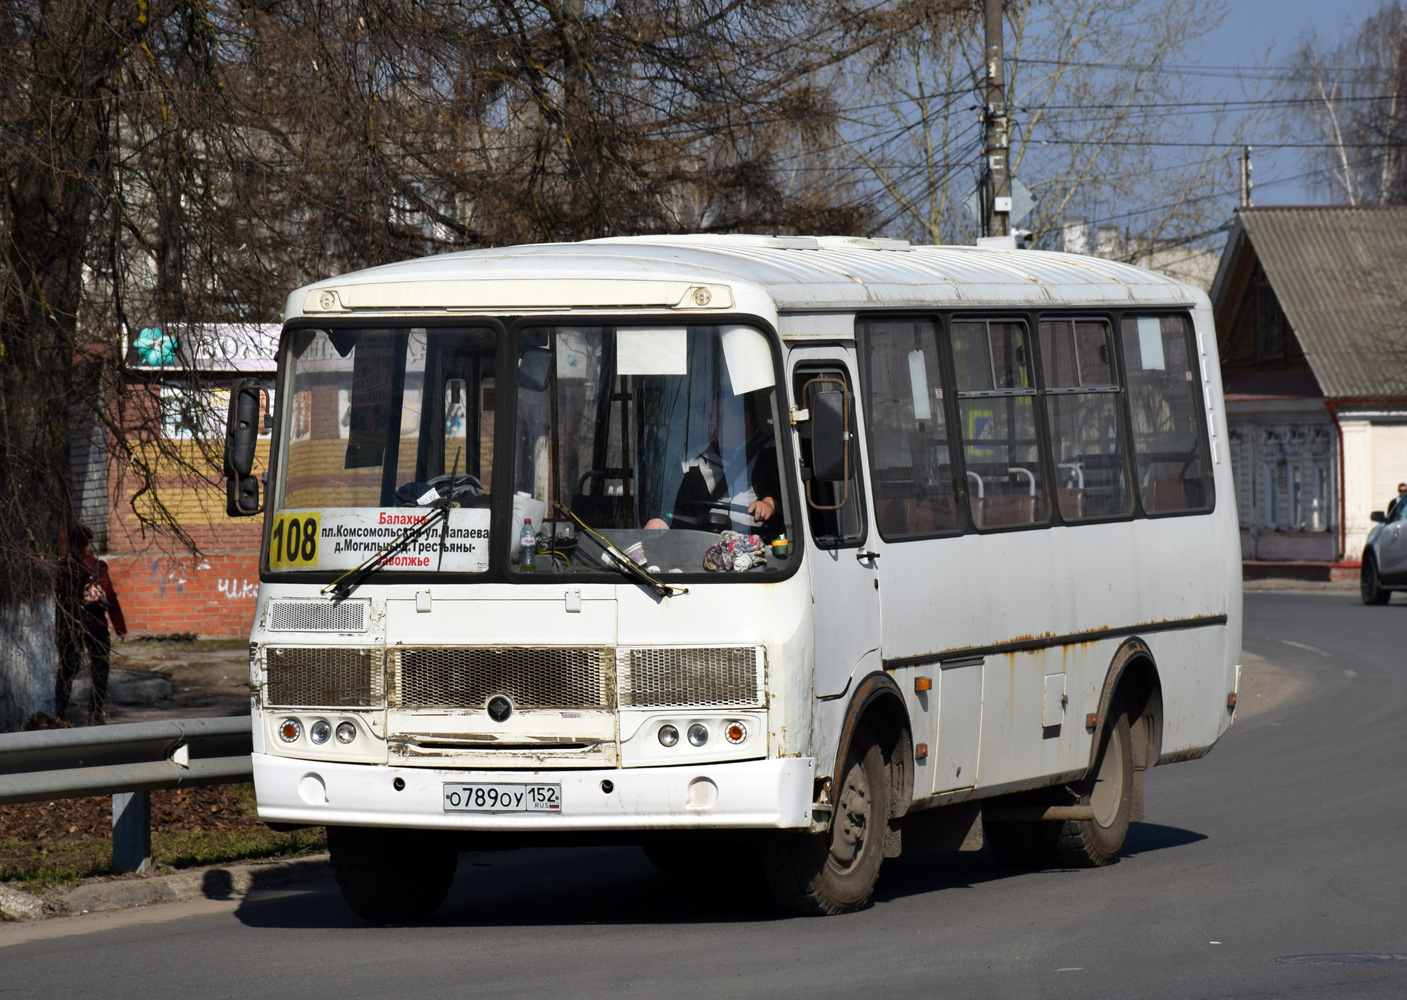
x=27, y=660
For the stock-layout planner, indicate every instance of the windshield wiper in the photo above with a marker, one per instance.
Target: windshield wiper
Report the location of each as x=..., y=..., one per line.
x=622, y=562
x=344, y=584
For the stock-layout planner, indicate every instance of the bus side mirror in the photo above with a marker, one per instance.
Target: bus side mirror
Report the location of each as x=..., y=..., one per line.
x=830, y=436
x=241, y=433
x=1377, y=516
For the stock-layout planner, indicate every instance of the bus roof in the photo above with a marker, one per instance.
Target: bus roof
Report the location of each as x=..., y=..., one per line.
x=740, y=273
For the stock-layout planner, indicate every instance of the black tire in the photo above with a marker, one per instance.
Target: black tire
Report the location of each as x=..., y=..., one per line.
x=826, y=874
x=1018, y=845
x=1370, y=586
x=392, y=876
x=1093, y=843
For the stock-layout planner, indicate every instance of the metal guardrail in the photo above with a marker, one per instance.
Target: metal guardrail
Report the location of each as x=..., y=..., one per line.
x=125, y=761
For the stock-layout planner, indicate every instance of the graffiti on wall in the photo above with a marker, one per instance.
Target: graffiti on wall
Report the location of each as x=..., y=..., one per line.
x=239, y=590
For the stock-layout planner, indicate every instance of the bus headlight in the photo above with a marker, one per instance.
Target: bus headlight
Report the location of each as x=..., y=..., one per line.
x=320, y=731
x=668, y=735
x=346, y=732
x=698, y=734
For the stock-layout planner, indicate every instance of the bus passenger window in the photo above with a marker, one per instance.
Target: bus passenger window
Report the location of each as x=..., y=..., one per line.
x=1168, y=440
x=1006, y=481
x=911, y=470
x=1085, y=419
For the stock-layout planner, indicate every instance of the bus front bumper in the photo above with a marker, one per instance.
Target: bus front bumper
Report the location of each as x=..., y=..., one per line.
x=754, y=794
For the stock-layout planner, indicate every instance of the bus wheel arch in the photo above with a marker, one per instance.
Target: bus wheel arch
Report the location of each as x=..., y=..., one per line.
x=869, y=792
x=1132, y=686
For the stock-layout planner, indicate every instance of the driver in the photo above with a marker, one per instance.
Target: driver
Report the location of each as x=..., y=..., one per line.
x=734, y=482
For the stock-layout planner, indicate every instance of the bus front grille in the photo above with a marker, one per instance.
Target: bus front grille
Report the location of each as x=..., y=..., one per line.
x=467, y=677
x=730, y=676
x=344, y=677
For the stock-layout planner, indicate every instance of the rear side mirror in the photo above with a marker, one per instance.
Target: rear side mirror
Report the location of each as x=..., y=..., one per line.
x=1377, y=516
x=241, y=433
x=829, y=407
x=830, y=437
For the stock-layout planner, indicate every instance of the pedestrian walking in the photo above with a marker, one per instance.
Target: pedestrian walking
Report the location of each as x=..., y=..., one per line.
x=86, y=601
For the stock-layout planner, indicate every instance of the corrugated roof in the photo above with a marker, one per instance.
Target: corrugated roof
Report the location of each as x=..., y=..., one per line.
x=800, y=273
x=1340, y=274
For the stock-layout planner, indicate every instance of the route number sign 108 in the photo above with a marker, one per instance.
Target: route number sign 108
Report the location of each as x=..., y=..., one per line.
x=294, y=541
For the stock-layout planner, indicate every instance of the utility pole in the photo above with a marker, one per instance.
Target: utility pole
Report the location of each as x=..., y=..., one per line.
x=1246, y=185
x=997, y=217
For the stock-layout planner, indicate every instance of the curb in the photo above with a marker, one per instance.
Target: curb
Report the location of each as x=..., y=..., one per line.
x=223, y=882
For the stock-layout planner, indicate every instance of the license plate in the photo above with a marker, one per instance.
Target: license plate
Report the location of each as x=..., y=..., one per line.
x=503, y=798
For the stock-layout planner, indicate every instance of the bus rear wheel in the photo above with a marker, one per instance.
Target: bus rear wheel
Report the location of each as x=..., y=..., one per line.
x=391, y=876
x=1370, y=586
x=1092, y=843
x=826, y=874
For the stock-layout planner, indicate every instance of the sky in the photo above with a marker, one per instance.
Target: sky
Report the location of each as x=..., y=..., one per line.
x=1267, y=32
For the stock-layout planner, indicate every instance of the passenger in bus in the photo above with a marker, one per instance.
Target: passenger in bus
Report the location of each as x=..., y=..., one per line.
x=734, y=483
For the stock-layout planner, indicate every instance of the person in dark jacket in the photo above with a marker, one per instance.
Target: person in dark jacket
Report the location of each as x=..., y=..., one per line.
x=86, y=601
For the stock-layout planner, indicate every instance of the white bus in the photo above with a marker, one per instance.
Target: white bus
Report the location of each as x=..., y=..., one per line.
x=810, y=548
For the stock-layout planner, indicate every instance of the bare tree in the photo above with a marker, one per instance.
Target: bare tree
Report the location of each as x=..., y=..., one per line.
x=186, y=164
x=1098, y=102
x=1355, y=104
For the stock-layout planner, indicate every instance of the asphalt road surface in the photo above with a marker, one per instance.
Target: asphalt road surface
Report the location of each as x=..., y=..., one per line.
x=1275, y=867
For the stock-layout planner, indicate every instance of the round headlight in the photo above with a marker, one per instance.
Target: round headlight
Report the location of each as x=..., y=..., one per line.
x=289, y=730
x=698, y=734
x=668, y=735
x=346, y=732
x=735, y=732
x=320, y=731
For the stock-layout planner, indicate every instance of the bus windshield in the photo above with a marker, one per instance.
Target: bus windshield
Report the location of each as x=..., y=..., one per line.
x=657, y=439
x=660, y=439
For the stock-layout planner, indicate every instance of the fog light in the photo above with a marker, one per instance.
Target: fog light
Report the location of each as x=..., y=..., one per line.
x=346, y=732
x=735, y=732
x=668, y=735
x=698, y=734
x=289, y=730
x=320, y=731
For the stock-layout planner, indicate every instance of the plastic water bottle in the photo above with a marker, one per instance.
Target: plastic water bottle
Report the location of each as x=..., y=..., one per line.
x=527, y=548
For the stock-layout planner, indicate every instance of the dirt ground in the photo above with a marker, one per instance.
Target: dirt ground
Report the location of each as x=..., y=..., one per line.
x=208, y=677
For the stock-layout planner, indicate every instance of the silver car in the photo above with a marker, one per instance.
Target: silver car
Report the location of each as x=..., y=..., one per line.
x=1385, y=556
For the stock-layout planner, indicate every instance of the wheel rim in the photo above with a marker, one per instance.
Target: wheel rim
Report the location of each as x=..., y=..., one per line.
x=852, y=819
x=1108, y=791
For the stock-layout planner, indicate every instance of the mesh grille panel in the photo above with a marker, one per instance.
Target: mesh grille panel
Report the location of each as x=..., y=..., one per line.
x=710, y=676
x=317, y=616
x=532, y=678
x=349, y=678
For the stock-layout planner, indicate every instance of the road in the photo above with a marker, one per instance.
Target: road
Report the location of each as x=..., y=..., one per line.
x=1271, y=868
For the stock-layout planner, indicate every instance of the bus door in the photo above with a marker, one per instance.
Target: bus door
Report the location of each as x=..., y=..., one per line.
x=844, y=566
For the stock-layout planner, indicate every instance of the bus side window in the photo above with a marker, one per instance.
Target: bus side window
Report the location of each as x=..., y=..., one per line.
x=1085, y=418
x=845, y=525
x=1006, y=478
x=1169, y=443
x=911, y=465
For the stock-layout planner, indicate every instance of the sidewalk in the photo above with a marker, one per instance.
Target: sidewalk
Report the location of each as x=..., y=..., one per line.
x=222, y=882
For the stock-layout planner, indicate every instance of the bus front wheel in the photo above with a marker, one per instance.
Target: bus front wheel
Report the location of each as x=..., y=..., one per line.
x=391, y=876
x=1092, y=843
x=825, y=874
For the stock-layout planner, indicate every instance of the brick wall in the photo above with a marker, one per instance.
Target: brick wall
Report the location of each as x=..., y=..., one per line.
x=212, y=595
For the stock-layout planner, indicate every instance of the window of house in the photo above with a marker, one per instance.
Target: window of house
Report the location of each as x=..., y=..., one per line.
x=1085, y=419
x=911, y=470
x=1006, y=481
x=1170, y=450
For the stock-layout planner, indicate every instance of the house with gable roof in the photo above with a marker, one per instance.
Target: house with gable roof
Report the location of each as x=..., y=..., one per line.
x=1311, y=316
